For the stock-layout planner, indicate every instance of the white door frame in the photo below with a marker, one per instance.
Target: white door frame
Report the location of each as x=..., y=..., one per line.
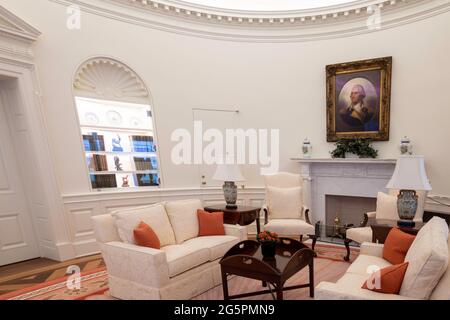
x=16, y=61
x=43, y=197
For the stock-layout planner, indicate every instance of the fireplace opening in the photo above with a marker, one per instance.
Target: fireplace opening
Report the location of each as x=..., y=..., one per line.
x=345, y=210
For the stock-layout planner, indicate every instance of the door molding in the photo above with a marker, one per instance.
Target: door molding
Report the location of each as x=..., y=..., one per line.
x=16, y=62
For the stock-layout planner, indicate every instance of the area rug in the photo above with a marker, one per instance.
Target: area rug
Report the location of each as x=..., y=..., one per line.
x=94, y=283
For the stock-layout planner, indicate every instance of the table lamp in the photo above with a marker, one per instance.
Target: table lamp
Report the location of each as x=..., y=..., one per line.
x=409, y=176
x=229, y=173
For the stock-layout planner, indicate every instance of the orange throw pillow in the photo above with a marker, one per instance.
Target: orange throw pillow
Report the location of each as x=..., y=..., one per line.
x=396, y=245
x=210, y=223
x=390, y=280
x=145, y=236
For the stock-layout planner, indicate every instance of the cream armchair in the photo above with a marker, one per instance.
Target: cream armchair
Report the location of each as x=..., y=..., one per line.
x=363, y=233
x=284, y=211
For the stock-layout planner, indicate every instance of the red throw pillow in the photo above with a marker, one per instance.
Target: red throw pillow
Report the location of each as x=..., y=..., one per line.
x=396, y=245
x=390, y=279
x=210, y=223
x=145, y=236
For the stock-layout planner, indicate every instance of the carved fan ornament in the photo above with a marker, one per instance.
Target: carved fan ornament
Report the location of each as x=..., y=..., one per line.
x=110, y=80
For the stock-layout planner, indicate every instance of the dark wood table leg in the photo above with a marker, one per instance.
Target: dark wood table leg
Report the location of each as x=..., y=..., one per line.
x=314, y=240
x=258, y=224
x=347, y=247
x=225, y=286
x=311, y=279
x=264, y=284
x=279, y=291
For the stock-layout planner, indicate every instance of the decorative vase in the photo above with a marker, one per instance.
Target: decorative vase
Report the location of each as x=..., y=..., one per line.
x=407, y=204
x=405, y=146
x=230, y=194
x=268, y=248
x=306, y=148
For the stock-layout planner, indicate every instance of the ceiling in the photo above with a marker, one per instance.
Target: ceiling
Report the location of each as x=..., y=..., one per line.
x=267, y=5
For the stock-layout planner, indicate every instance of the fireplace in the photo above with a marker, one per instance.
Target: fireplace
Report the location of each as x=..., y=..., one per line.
x=342, y=210
x=354, y=178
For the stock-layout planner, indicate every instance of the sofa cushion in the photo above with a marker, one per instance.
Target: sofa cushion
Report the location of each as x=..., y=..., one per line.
x=441, y=291
x=360, y=235
x=386, y=206
x=428, y=260
x=289, y=227
x=145, y=236
x=365, y=264
x=210, y=223
x=154, y=215
x=183, y=217
x=284, y=203
x=216, y=245
x=396, y=245
x=349, y=286
x=185, y=256
x=389, y=281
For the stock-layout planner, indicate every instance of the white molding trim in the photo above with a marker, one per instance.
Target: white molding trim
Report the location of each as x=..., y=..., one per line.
x=14, y=27
x=275, y=27
x=16, y=38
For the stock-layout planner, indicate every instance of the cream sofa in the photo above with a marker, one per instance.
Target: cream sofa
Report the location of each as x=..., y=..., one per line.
x=427, y=276
x=185, y=266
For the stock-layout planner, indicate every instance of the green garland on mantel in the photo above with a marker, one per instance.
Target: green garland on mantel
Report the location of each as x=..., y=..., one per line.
x=360, y=147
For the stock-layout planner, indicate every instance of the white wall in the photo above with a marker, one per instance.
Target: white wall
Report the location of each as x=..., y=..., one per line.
x=279, y=85
x=274, y=85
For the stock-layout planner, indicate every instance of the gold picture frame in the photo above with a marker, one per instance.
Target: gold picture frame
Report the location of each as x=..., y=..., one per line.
x=358, y=99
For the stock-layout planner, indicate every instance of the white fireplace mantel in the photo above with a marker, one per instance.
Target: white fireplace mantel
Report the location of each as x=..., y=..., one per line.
x=345, y=160
x=346, y=177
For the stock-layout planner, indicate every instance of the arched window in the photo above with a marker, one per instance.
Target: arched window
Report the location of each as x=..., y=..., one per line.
x=117, y=125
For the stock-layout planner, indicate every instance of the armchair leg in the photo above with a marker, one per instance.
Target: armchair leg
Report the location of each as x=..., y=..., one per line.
x=347, y=247
x=314, y=240
x=301, y=238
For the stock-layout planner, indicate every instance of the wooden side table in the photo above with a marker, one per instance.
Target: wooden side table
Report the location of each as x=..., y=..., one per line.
x=242, y=215
x=381, y=228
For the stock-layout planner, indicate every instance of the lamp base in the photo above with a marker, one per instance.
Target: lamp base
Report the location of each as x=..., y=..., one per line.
x=230, y=194
x=406, y=223
x=407, y=201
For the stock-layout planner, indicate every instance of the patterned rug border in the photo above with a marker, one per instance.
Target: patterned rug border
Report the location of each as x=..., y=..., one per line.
x=56, y=283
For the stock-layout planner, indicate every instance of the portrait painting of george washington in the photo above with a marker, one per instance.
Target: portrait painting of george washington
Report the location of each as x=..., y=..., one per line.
x=358, y=95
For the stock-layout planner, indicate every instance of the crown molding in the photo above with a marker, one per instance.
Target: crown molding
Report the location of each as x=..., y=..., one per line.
x=279, y=17
x=281, y=26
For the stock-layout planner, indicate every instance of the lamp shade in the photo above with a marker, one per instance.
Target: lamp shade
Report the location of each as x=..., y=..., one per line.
x=228, y=172
x=409, y=174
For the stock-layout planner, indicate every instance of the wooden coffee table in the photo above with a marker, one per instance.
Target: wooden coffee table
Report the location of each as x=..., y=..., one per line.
x=246, y=260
